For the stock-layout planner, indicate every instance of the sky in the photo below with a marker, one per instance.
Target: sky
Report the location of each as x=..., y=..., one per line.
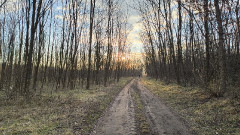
x=134, y=36
x=133, y=20
x=134, y=33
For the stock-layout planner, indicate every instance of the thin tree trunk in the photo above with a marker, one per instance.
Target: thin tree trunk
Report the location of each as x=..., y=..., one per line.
x=90, y=42
x=221, y=51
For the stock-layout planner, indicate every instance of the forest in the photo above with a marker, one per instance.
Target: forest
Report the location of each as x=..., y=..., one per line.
x=106, y=67
x=83, y=43
x=193, y=43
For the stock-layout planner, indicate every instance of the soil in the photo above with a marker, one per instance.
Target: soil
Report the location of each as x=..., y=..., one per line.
x=119, y=119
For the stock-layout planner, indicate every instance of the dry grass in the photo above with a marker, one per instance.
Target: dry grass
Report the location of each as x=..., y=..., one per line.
x=207, y=116
x=64, y=112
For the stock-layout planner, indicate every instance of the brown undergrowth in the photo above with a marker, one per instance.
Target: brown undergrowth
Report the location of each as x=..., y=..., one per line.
x=63, y=112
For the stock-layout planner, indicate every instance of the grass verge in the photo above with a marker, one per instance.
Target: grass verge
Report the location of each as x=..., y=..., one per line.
x=206, y=116
x=63, y=112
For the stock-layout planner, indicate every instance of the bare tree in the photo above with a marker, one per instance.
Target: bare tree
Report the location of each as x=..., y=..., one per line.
x=222, y=56
x=92, y=10
x=2, y=3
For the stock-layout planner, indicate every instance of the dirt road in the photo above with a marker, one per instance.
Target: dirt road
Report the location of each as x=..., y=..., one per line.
x=119, y=119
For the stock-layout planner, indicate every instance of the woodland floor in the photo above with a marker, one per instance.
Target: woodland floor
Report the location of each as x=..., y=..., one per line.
x=157, y=118
x=132, y=106
x=63, y=112
x=168, y=109
x=204, y=114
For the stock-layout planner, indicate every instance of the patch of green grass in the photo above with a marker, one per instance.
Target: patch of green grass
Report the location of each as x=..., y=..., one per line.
x=206, y=115
x=62, y=112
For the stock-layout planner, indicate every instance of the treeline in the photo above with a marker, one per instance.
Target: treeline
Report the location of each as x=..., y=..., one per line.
x=62, y=44
x=192, y=42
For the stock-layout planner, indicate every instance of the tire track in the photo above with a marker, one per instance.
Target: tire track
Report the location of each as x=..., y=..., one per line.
x=160, y=118
x=119, y=119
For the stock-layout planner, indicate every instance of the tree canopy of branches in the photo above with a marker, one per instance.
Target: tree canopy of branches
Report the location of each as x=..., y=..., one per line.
x=192, y=42
x=62, y=44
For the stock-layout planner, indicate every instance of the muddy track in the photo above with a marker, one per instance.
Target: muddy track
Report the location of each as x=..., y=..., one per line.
x=160, y=118
x=119, y=119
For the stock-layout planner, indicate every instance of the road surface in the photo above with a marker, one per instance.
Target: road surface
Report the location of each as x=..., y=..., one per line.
x=119, y=119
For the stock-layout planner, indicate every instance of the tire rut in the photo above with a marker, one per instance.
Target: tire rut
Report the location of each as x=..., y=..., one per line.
x=119, y=119
x=160, y=118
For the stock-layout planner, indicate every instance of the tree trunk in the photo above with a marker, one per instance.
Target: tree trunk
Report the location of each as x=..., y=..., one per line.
x=90, y=42
x=207, y=65
x=221, y=50
x=34, y=24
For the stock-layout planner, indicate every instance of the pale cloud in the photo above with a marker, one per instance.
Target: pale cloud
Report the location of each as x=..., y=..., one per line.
x=134, y=19
x=137, y=27
x=11, y=6
x=134, y=36
x=59, y=17
x=60, y=8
